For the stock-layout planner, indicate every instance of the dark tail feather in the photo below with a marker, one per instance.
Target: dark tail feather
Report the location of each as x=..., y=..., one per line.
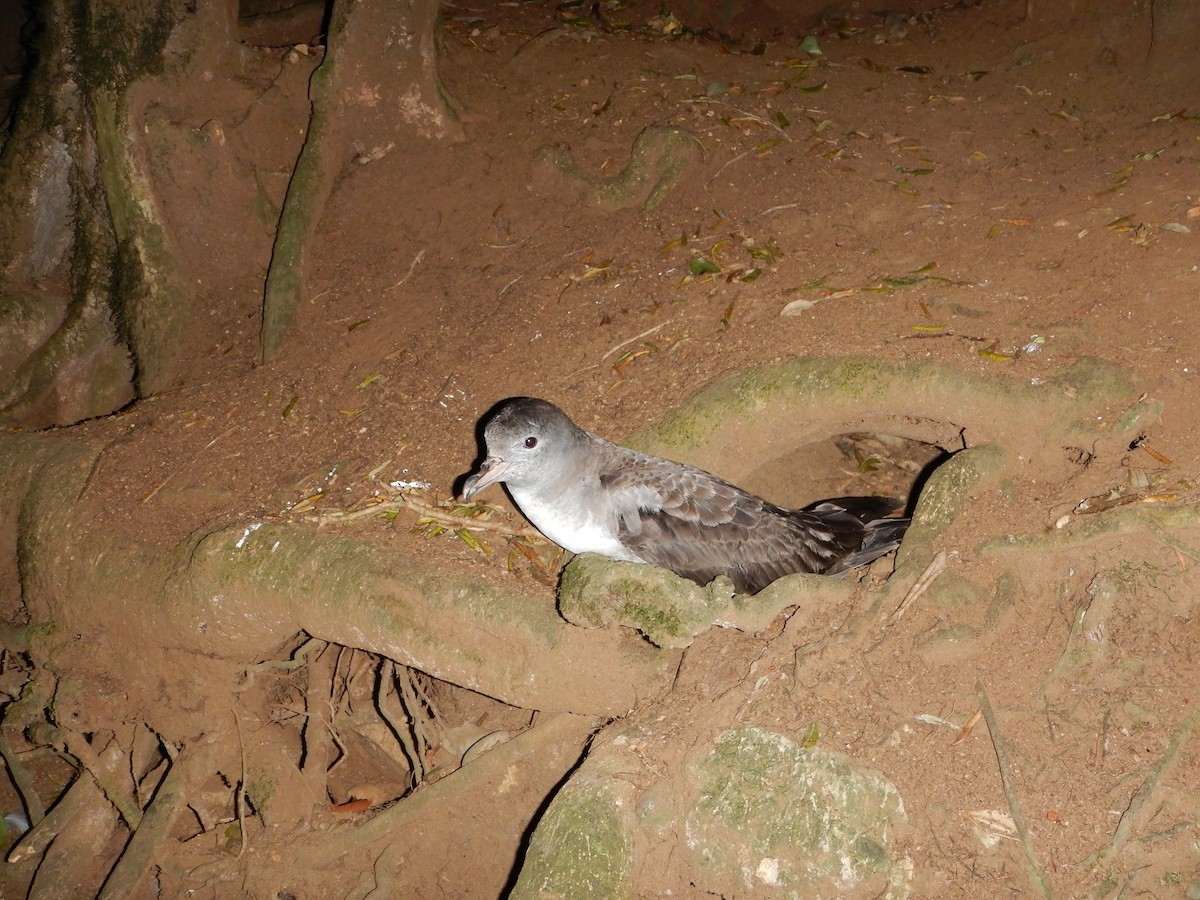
x=865, y=509
x=881, y=537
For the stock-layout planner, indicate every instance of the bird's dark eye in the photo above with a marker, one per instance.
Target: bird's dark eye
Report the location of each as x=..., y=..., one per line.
x=530, y=442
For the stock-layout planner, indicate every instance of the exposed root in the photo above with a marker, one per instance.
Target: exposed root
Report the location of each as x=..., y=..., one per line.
x=77, y=746
x=402, y=721
x=1160, y=521
x=1129, y=818
x=1036, y=876
x=68, y=868
x=319, y=749
x=35, y=841
x=462, y=782
x=27, y=710
x=656, y=162
x=23, y=780
x=169, y=800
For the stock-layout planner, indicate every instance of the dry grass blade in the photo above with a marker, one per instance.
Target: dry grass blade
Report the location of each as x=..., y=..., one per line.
x=966, y=730
x=450, y=514
x=632, y=340
x=932, y=571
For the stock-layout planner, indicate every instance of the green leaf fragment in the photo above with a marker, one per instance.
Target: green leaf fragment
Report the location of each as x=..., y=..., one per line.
x=813, y=285
x=473, y=541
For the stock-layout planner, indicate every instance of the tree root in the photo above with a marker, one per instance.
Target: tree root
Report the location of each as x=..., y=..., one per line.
x=68, y=868
x=1133, y=811
x=488, y=768
x=1037, y=877
x=356, y=30
x=22, y=780
x=1161, y=521
x=77, y=746
x=319, y=748
x=26, y=711
x=656, y=162
x=169, y=801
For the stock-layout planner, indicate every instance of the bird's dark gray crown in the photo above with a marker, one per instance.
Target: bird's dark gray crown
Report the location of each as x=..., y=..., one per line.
x=526, y=414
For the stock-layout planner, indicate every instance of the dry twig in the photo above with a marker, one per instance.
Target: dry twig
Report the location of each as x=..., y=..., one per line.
x=932, y=571
x=413, y=502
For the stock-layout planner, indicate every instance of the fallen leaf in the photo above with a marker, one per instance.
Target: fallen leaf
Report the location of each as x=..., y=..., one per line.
x=798, y=306
x=994, y=355
x=965, y=731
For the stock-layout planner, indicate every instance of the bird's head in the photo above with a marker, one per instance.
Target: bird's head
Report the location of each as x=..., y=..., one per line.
x=525, y=441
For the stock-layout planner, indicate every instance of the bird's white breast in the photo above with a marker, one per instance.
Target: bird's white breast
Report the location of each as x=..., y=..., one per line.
x=572, y=523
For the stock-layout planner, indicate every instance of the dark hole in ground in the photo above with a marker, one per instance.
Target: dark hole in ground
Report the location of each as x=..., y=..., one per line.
x=844, y=465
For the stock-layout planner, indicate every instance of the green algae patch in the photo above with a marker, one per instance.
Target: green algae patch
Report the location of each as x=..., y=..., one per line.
x=596, y=592
x=772, y=813
x=670, y=611
x=583, y=846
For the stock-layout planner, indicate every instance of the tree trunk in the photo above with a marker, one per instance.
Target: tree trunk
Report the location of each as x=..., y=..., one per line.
x=355, y=118
x=94, y=307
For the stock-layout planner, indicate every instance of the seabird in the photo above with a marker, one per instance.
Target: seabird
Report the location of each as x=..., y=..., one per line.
x=589, y=495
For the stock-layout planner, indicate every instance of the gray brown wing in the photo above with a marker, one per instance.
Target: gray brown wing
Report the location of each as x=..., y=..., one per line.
x=700, y=526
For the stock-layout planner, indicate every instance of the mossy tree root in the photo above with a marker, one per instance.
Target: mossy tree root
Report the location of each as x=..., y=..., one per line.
x=657, y=161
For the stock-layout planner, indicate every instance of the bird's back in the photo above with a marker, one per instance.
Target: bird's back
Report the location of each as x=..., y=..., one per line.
x=700, y=526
